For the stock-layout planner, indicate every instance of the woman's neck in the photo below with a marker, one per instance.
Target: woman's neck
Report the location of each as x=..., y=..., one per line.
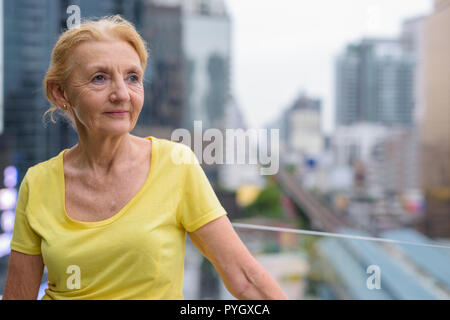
x=101, y=156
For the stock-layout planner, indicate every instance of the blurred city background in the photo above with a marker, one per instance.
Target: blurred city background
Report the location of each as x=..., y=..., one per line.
x=360, y=94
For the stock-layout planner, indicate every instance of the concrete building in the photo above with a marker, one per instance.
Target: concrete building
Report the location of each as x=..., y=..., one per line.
x=352, y=143
x=352, y=148
x=435, y=125
x=387, y=158
x=394, y=161
x=304, y=132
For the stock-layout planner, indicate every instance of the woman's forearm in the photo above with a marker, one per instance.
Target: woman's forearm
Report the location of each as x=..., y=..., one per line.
x=261, y=286
x=24, y=276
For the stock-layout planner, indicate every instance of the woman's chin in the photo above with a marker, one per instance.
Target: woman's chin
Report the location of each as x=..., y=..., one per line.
x=117, y=129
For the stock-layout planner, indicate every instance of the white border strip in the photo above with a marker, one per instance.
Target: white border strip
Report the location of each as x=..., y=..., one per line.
x=336, y=235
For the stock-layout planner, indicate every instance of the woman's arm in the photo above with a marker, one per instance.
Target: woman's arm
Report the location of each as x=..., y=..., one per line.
x=24, y=276
x=243, y=276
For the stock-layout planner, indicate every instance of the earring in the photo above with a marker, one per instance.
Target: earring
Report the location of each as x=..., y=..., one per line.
x=65, y=107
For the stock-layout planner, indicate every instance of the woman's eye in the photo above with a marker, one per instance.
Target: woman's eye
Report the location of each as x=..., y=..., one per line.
x=134, y=78
x=99, y=77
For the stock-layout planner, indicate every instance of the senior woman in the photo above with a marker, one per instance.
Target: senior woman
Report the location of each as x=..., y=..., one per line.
x=108, y=217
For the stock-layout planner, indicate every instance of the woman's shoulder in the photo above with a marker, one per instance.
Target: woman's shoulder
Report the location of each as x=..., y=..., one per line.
x=176, y=152
x=163, y=142
x=45, y=169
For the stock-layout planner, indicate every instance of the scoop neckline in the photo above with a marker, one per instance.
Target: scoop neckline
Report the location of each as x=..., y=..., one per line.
x=91, y=224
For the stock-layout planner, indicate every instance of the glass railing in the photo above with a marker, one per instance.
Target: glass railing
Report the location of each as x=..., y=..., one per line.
x=400, y=264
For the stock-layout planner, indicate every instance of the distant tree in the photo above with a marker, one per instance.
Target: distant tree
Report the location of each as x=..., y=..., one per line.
x=267, y=203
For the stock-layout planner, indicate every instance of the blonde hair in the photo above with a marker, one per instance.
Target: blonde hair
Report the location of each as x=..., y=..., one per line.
x=106, y=28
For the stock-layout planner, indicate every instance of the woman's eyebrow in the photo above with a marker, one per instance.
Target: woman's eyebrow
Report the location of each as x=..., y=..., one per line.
x=135, y=69
x=96, y=67
x=100, y=67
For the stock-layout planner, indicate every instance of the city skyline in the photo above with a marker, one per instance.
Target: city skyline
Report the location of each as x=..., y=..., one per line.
x=276, y=56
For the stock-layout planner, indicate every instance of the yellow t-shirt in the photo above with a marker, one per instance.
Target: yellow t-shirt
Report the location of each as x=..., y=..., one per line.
x=136, y=254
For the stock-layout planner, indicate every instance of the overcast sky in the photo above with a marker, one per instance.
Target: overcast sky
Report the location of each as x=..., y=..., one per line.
x=282, y=47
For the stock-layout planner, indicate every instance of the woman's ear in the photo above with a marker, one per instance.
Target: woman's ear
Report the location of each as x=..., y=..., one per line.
x=58, y=93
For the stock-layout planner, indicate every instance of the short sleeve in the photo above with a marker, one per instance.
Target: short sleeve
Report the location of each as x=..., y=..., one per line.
x=24, y=238
x=199, y=203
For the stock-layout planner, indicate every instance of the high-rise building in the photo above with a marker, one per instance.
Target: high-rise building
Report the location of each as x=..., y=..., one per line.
x=374, y=83
x=164, y=86
x=207, y=58
x=412, y=38
x=435, y=124
x=207, y=49
x=347, y=87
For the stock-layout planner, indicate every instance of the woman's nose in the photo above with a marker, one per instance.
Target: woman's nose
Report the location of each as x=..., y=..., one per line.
x=119, y=91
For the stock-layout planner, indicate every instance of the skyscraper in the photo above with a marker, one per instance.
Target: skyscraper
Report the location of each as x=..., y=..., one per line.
x=412, y=38
x=207, y=54
x=347, y=87
x=161, y=27
x=374, y=83
x=207, y=49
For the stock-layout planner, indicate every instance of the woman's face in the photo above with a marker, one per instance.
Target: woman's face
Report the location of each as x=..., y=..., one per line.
x=107, y=77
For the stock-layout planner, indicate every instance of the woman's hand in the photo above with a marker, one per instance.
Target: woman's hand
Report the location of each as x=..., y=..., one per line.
x=243, y=276
x=24, y=276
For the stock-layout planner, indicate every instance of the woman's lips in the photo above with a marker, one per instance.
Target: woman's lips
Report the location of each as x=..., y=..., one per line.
x=117, y=114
